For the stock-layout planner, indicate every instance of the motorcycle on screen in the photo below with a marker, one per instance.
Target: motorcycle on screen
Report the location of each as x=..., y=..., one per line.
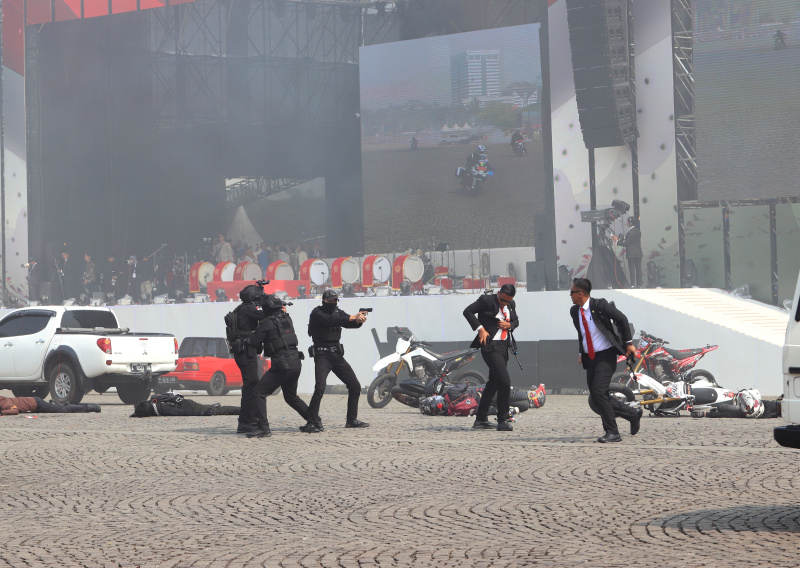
x=472, y=180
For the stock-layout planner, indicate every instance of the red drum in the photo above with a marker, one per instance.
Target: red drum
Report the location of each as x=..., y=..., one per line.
x=224, y=271
x=446, y=283
x=279, y=270
x=305, y=269
x=409, y=268
x=248, y=271
x=441, y=271
x=344, y=270
x=377, y=270
x=200, y=275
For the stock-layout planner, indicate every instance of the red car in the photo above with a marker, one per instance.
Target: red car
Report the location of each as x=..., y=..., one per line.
x=205, y=363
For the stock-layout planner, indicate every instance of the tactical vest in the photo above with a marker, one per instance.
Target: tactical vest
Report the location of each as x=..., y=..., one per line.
x=288, y=337
x=325, y=335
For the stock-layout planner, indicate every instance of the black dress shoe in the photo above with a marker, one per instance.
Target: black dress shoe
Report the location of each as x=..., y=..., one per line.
x=262, y=431
x=636, y=423
x=482, y=425
x=505, y=426
x=318, y=424
x=609, y=437
x=245, y=428
x=356, y=424
x=309, y=428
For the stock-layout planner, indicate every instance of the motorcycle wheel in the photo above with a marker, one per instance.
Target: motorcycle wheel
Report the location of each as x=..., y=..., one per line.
x=379, y=393
x=472, y=378
x=623, y=378
x=702, y=374
x=621, y=393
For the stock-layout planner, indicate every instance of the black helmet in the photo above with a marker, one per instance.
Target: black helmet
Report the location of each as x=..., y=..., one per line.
x=269, y=303
x=251, y=294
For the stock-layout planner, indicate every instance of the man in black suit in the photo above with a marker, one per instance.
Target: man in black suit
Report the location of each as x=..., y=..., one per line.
x=496, y=319
x=598, y=347
x=632, y=241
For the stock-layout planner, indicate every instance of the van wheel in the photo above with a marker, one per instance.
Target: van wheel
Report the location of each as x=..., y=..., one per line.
x=216, y=386
x=131, y=394
x=39, y=390
x=64, y=387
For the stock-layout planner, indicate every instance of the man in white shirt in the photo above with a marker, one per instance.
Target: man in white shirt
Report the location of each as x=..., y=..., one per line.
x=598, y=347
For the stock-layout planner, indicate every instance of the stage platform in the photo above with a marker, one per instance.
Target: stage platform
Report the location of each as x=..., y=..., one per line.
x=749, y=334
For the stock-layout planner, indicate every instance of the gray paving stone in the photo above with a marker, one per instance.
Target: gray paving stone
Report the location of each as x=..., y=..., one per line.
x=108, y=490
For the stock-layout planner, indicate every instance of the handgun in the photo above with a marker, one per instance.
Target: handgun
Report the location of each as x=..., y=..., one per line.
x=368, y=310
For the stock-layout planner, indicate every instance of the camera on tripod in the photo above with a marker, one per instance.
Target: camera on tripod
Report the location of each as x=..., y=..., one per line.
x=606, y=216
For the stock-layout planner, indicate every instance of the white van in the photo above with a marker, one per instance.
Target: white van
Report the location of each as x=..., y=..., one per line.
x=789, y=435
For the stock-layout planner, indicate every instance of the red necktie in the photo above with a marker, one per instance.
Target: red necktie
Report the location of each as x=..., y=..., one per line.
x=504, y=333
x=587, y=335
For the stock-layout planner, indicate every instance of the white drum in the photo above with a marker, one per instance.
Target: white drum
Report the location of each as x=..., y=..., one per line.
x=381, y=270
x=252, y=271
x=413, y=269
x=284, y=272
x=227, y=272
x=319, y=272
x=351, y=271
x=205, y=274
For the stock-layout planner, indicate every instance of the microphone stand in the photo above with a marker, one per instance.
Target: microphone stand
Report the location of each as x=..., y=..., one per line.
x=60, y=279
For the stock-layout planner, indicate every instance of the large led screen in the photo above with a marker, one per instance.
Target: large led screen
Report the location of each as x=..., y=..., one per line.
x=426, y=106
x=747, y=80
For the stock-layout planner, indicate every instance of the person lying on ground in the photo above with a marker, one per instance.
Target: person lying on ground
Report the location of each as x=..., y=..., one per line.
x=170, y=404
x=11, y=406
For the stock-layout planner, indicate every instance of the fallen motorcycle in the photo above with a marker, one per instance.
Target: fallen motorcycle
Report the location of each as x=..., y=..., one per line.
x=664, y=364
x=422, y=365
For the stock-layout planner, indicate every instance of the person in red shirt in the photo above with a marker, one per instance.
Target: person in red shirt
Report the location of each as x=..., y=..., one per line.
x=11, y=406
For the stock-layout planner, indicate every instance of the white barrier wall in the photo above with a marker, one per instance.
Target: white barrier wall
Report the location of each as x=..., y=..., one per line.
x=741, y=361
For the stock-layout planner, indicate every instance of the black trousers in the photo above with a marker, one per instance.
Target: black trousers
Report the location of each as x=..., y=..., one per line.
x=324, y=363
x=48, y=407
x=598, y=376
x=248, y=364
x=286, y=379
x=496, y=357
x=635, y=269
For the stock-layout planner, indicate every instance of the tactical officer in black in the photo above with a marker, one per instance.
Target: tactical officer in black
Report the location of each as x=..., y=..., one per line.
x=325, y=328
x=248, y=315
x=276, y=335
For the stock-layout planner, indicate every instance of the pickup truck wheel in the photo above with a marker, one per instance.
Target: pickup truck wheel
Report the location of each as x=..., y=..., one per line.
x=64, y=384
x=131, y=394
x=216, y=386
x=39, y=390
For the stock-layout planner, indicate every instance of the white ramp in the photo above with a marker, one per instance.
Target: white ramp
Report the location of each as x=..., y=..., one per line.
x=750, y=334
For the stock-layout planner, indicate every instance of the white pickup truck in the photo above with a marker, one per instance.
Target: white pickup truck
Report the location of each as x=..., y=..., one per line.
x=68, y=351
x=789, y=435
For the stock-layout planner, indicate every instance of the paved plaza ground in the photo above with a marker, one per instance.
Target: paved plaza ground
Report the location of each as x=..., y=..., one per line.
x=108, y=490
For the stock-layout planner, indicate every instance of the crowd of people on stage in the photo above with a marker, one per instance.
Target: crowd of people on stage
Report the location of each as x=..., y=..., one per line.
x=292, y=253
x=78, y=275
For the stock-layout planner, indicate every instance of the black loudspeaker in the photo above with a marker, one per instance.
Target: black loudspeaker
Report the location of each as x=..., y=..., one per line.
x=535, y=275
x=598, y=37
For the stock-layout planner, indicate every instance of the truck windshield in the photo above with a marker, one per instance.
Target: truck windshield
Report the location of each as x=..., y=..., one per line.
x=89, y=319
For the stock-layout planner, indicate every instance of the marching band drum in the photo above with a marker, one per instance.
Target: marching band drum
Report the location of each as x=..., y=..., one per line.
x=344, y=270
x=247, y=271
x=376, y=271
x=407, y=267
x=224, y=272
x=279, y=270
x=200, y=275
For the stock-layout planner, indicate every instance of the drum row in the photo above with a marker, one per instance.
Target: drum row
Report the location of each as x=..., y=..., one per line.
x=375, y=270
